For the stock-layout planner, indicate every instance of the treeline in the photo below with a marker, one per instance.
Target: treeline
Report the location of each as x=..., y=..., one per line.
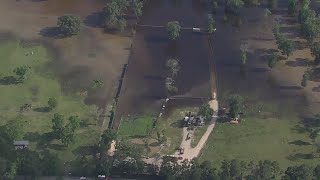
x=24, y=161
x=127, y=162
x=236, y=170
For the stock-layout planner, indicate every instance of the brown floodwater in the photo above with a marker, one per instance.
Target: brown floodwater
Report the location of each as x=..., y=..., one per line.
x=144, y=85
x=59, y=7
x=144, y=88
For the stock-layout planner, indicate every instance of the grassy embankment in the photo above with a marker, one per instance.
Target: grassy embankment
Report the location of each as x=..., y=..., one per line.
x=36, y=90
x=274, y=133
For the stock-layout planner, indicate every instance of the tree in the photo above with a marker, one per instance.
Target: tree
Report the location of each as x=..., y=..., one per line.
x=3, y=166
x=104, y=165
x=14, y=129
x=233, y=6
x=315, y=51
x=67, y=136
x=138, y=5
x=214, y=5
x=205, y=111
x=285, y=45
x=306, y=13
x=21, y=72
x=243, y=57
x=97, y=83
x=299, y=172
x=211, y=25
x=57, y=125
x=28, y=163
x=121, y=24
x=74, y=122
x=53, y=103
x=173, y=66
x=235, y=103
x=173, y=29
x=113, y=13
x=237, y=169
x=266, y=170
x=316, y=172
x=51, y=164
x=292, y=6
x=69, y=24
x=273, y=60
x=106, y=139
x=310, y=28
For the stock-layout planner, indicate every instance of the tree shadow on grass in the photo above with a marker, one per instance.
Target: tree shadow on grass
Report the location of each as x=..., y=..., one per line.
x=300, y=129
x=42, y=140
x=315, y=75
x=298, y=62
x=154, y=144
x=177, y=124
x=52, y=32
x=85, y=150
x=8, y=80
x=300, y=143
x=316, y=89
x=42, y=109
x=297, y=156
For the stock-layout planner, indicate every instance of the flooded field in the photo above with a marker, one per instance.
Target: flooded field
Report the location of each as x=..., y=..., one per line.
x=79, y=60
x=144, y=86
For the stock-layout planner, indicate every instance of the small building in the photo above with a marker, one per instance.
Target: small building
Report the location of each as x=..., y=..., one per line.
x=20, y=144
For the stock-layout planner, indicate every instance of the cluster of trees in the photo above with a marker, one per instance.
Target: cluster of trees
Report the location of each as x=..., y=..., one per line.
x=174, y=67
x=236, y=169
x=24, y=161
x=213, y=5
x=310, y=23
x=65, y=132
x=233, y=6
x=69, y=24
x=113, y=13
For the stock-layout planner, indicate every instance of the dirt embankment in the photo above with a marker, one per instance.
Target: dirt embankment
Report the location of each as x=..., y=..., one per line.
x=77, y=60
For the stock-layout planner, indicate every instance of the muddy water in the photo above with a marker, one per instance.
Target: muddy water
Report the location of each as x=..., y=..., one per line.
x=144, y=87
x=59, y=7
x=254, y=80
x=76, y=61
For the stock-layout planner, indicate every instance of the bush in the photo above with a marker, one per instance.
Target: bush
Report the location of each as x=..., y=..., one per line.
x=273, y=60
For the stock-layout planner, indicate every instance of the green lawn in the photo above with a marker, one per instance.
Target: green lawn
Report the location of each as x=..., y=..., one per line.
x=268, y=135
x=39, y=86
x=136, y=127
x=198, y=133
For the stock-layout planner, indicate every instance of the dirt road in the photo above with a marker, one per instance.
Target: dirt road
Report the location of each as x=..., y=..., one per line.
x=189, y=152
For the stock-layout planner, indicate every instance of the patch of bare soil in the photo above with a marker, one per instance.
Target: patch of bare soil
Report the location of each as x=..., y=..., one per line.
x=78, y=60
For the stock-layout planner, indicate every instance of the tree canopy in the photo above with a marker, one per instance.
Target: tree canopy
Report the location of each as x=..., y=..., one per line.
x=235, y=103
x=205, y=111
x=173, y=29
x=69, y=24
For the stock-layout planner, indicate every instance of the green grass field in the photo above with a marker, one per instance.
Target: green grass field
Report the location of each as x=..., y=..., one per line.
x=198, y=133
x=136, y=127
x=39, y=86
x=271, y=134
